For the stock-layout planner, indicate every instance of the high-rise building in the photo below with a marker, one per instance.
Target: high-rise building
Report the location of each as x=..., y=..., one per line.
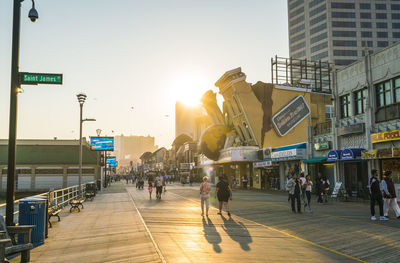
x=189, y=120
x=340, y=31
x=129, y=148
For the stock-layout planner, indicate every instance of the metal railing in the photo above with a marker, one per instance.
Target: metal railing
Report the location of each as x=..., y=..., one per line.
x=57, y=198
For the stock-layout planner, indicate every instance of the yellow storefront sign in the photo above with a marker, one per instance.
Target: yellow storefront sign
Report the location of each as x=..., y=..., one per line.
x=385, y=136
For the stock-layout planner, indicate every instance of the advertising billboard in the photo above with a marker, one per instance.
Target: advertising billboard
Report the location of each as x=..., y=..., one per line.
x=111, y=159
x=102, y=143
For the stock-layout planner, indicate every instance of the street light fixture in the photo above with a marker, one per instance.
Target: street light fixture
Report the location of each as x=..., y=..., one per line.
x=81, y=99
x=15, y=88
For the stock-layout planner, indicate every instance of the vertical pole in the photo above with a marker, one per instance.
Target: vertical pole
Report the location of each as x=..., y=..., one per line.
x=105, y=169
x=276, y=69
x=320, y=76
x=80, y=149
x=12, y=139
x=287, y=80
x=291, y=71
x=272, y=70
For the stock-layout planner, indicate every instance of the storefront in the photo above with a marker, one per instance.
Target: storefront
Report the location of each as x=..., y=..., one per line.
x=355, y=173
x=386, y=153
x=320, y=165
x=267, y=173
x=290, y=158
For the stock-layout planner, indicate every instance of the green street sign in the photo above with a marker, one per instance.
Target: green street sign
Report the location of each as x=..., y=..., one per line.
x=27, y=78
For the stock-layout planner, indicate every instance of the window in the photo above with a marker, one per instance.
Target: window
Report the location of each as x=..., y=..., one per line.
x=319, y=56
x=317, y=29
x=344, y=34
x=346, y=53
x=296, y=21
x=396, y=34
x=296, y=4
x=344, y=43
x=395, y=7
x=381, y=25
x=366, y=34
x=314, y=3
x=344, y=106
x=366, y=25
x=383, y=94
x=396, y=88
x=382, y=34
x=241, y=134
x=297, y=38
x=319, y=37
x=328, y=112
x=248, y=130
x=381, y=16
x=237, y=104
x=343, y=5
x=396, y=25
x=344, y=62
x=317, y=19
x=298, y=46
x=360, y=101
x=319, y=47
x=395, y=16
x=344, y=24
x=343, y=15
x=365, y=15
x=297, y=29
x=296, y=12
x=380, y=6
x=299, y=54
x=317, y=10
x=383, y=43
x=365, y=6
x=367, y=43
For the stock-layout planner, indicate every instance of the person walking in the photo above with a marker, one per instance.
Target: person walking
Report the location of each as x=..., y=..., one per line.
x=389, y=195
x=319, y=187
x=376, y=196
x=205, y=189
x=325, y=184
x=244, y=182
x=307, y=190
x=224, y=193
x=159, y=186
x=150, y=188
x=294, y=188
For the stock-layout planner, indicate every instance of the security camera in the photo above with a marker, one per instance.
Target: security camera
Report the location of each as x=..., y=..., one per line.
x=33, y=14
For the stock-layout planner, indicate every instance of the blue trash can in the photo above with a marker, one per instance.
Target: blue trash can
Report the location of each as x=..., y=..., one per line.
x=32, y=211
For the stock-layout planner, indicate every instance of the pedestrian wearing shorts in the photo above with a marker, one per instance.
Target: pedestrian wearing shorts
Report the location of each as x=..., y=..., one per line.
x=205, y=189
x=224, y=193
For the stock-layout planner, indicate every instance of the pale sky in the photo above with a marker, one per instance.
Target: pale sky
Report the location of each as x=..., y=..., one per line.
x=131, y=53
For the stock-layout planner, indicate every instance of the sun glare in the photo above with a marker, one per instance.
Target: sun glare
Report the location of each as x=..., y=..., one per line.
x=188, y=89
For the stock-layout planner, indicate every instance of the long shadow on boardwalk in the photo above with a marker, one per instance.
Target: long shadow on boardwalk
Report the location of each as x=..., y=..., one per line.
x=238, y=232
x=211, y=234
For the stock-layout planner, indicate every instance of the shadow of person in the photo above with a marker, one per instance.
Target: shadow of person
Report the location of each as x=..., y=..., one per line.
x=238, y=232
x=211, y=234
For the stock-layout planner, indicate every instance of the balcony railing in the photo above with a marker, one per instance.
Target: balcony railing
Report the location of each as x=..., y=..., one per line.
x=323, y=128
x=387, y=113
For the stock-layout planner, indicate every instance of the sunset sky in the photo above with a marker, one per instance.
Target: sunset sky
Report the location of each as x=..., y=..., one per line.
x=133, y=59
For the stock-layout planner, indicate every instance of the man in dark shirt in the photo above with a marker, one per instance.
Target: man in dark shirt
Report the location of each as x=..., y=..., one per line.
x=376, y=195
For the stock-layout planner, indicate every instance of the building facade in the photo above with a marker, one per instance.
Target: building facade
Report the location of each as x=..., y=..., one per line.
x=340, y=32
x=129, y=148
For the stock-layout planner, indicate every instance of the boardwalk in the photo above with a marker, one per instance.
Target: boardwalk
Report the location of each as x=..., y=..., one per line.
x=125, y=226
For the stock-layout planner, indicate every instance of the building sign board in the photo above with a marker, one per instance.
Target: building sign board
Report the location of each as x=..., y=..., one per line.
x=262, y=164
x=385, y=136
x=111, y=159
x=291, y=115
x=27, y=78
x=102, y=143
x=321, y=146
x=333, y=155
x=351, y=129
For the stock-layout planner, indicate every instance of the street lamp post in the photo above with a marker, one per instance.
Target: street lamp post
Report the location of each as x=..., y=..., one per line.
x=12, y=139
x=81, y=99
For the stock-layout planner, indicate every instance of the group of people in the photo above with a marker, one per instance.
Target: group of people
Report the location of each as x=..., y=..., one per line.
x=385, y=197
x=159, y=183
x=223, y=192
x=300, y=189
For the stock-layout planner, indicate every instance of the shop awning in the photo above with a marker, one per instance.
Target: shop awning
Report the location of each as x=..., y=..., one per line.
x=351, y=153
x=316, y=160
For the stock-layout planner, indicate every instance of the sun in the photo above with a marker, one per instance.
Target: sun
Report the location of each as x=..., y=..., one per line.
x=188, y=89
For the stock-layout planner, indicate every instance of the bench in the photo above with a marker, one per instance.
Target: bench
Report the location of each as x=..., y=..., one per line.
x=9, y=247
x=54, y=211
x=75, y=203
x=89, y=195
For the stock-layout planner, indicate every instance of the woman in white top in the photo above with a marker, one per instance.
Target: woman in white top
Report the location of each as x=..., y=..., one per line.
x=308, y=188
x=205, y=189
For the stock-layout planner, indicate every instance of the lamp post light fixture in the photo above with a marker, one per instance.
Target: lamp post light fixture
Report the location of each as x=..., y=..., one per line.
x=81, y=99
x=15, y=88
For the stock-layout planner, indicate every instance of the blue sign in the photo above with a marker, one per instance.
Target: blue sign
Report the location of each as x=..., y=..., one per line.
x=334, y=155
x=102, y=143
x=111, y=159
x=114, y=164
x=350, y=154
